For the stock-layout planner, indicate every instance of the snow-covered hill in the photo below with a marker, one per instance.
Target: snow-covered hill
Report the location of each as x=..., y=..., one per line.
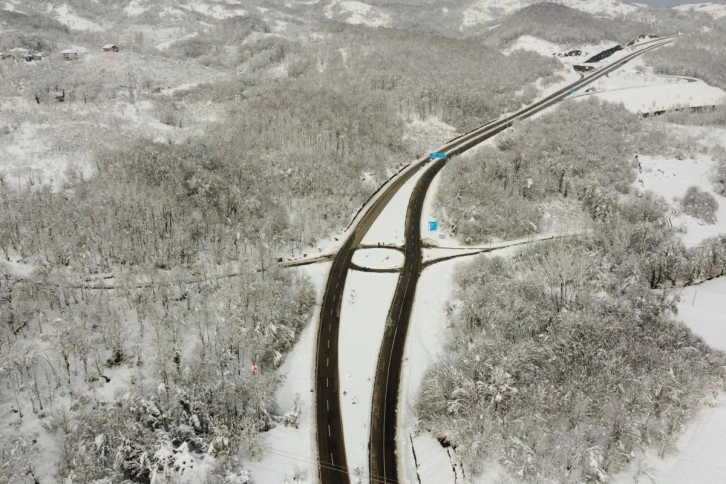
x=716, y=10
x=484, y=11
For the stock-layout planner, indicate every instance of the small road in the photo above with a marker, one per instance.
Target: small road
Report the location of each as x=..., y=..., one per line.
x=382, y=444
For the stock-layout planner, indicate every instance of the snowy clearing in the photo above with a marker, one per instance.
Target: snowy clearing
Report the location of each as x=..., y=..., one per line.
x=670, y=178
x=378, y=258
x=645, y=99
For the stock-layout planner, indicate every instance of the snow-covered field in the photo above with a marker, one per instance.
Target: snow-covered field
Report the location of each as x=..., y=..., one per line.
x=641, y=91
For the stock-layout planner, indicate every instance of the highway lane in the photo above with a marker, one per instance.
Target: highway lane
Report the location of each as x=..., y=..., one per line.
x=382, y=444
x=332, y=463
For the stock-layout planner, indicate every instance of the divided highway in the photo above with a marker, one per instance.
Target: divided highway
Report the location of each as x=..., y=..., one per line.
x=332, y=464
x=382, y=443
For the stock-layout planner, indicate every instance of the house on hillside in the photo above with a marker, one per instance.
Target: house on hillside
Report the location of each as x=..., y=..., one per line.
x=69, y=54
x=111, y=48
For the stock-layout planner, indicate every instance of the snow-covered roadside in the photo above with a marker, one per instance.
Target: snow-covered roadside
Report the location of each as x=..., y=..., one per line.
x=288, y=454
x=366, y=301
x=388, y=229
x=426, y=341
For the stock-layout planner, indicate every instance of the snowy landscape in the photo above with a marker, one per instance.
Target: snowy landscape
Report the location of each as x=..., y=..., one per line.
x=342, y=241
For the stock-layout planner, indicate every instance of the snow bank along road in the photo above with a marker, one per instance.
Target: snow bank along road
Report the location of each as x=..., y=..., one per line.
x=331, y=446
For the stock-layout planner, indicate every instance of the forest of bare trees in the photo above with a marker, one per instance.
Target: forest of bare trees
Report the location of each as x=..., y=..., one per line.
x=567, y=359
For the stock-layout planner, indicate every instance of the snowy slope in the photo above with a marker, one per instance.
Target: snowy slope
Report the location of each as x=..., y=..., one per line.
x=67, y=16
x=716, y=10
x=356, y=13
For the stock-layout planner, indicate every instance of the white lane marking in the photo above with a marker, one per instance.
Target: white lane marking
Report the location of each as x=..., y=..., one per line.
x=328, y=430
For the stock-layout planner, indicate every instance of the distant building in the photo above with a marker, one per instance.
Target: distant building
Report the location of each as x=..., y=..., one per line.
x=69, y=54
x=111, y=48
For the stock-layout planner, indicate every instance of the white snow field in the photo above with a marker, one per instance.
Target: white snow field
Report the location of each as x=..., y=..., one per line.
x=641, y=91
x=379, y=258
x=670, y=178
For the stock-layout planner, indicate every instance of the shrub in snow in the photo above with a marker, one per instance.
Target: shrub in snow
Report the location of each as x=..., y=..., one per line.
x=292, y=417
x=719, y=177
x=700, y=205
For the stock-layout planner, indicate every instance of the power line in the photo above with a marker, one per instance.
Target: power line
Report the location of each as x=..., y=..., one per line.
x=325, y=465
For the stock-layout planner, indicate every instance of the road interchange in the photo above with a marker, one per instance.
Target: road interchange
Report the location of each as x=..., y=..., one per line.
x=332, y=462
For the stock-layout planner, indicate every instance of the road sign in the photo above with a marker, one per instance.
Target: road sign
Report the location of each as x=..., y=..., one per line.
x=433, y=225
x=441, y=156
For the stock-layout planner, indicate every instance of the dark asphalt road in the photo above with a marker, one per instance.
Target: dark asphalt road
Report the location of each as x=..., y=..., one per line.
x=331, y=446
